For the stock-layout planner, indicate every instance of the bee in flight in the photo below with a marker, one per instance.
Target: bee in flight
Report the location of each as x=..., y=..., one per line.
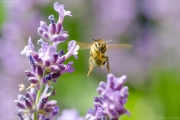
x=98, y=52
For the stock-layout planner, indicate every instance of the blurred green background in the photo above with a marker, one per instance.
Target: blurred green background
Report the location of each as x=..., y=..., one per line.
x=152, y=66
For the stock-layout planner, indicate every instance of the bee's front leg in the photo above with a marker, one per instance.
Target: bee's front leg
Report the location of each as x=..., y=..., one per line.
x=90, y=66
x=107, y=60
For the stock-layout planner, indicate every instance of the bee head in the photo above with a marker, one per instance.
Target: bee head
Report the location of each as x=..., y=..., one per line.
x=100, y=44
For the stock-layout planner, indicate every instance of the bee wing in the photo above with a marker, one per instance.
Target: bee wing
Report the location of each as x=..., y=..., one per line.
x=83, y=46
x=119, y=46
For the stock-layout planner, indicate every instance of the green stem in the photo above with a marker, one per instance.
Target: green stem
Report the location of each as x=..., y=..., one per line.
x=37, y=100
x=35, y=116
x=38, y=95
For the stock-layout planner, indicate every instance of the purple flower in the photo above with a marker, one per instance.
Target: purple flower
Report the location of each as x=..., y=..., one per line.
x=110, y=104
x=29, y=49
x=46, y=52
x=47, y=65
x=27, y=104
x=62, y=13
x=71, y=114
x=48, y=60
x=54, y=33
x=72, y=49
x=67, y=68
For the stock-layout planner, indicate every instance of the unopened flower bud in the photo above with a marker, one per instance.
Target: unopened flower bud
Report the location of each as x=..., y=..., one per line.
x=48, y=109
x=55, y=75
x=20, y=104
x=37, y=58
x=55, y=56
x=54, y=68
x=31, y=95
x=40, y=31
x=43, y=26
x=58, y=27
x=54, y=112
x=33, y=80
x=29, y=73
x=39, y=71
x=42, y=103
x=28, y=103
x=47, y=63
x=52, y=26
x=45, y=36
x=50, y=103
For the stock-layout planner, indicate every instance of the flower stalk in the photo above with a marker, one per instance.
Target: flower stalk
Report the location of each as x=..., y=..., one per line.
x=37, y=100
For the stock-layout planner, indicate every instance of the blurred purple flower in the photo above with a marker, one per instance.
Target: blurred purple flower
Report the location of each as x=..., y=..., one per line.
x=110, y=104
x=159, y=9
x=70, y=114
x=115, y=20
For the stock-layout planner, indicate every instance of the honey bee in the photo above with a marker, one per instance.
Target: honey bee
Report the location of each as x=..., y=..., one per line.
x=98, y=52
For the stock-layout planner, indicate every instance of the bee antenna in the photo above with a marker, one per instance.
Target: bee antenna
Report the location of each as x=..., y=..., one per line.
x=94, y=40
x=109, y=40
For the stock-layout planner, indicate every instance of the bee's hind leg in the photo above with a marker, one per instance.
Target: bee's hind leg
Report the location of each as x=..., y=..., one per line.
x=107, y=60
x=90, y=67
x=108, y=65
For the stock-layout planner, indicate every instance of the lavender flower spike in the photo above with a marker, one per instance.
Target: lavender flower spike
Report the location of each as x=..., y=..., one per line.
x=47, y=65
x=110, y=104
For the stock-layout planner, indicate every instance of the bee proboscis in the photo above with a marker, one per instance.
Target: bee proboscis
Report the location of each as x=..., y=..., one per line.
x=98, y=52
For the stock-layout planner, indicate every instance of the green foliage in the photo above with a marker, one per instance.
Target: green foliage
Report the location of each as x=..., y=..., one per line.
x=3, y=15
